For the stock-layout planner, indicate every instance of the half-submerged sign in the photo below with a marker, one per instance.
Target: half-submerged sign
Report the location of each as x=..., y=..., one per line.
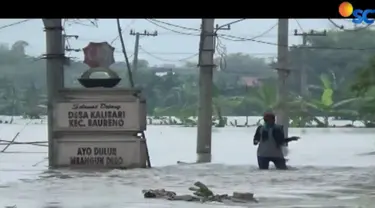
x=107, y=116
x=116, y=151
x=98, y=126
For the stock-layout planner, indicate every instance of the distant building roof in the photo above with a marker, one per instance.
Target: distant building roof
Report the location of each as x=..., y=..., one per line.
x=161, y=69
x=250, y=81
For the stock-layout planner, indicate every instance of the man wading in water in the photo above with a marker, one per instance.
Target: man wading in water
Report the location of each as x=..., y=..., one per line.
x=270, y=138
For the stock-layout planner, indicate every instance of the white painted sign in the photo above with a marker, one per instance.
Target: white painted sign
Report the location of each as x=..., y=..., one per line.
x=89, y=116
x=111, y=154
x=103, y=156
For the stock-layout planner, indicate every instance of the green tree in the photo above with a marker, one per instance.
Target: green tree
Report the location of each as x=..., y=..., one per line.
x=327, y=54
x=326, y=106
x=241, y=63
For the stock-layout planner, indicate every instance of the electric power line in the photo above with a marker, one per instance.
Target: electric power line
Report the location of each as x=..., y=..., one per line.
x=235, y=38
x=252, y=38
x=172, y=30
x=93, y=22
x=174, y=25
x=168, y=60
x=230, y=23
x=14, y=24
x=154, y=22
x=299, y=25
x=233, y=22
x=126, y=27
x=222, y=51
x=341, y=27
x=187, y=53
x=66, y=39
x=162, y=53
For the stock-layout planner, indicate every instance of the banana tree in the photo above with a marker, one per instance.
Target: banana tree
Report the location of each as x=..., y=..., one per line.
x=326, y=105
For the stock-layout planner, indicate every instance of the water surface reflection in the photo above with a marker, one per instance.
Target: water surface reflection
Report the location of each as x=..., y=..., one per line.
x=331, y=169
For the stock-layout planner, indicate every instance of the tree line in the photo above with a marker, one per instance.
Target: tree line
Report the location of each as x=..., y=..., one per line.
x=340, y=76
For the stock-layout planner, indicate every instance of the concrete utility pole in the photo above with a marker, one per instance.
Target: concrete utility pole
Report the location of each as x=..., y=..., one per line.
x=282, y=117
x=206, y=67
x=136, y=45
x=55, y=56
x=303, y=73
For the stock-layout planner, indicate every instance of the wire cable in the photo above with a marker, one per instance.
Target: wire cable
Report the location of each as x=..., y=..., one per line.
x=154, y=21
x=249, y=39
x=130, y=74
x=341, y=27
x=14, y=24
x=230, y=23
x=15, y=137
x=174, y=25
x=183, y=53
x=222, y=52
x=172, y=30
x=163, y=53
x=93, y=23
x=168, y=60
x=235, y=38
x=126, y=27
x=299, y=25
x=221, y=49
x=66, y=39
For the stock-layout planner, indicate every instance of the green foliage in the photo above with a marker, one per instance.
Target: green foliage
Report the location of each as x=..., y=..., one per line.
x=173, y=90
x=326, y=105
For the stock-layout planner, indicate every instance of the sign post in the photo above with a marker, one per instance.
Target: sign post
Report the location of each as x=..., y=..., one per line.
x=98, y=126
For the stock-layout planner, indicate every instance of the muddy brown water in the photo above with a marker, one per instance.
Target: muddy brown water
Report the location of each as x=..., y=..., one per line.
x=330, y=168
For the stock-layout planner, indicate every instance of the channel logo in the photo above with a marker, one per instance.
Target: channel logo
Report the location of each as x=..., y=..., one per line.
x=346, y=10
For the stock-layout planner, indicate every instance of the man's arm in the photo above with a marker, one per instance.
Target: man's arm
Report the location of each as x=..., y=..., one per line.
x=257, y=136
x=290, y=139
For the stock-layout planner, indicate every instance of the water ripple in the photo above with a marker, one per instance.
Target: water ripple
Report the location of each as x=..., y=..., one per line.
x=328, y=170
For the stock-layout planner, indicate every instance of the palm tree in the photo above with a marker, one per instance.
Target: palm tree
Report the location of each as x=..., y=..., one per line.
x=263, y=97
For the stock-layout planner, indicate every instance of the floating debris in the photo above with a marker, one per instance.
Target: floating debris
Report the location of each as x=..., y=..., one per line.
x=201, y=193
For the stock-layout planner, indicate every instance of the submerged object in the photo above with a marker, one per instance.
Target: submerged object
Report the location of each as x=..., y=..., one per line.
x=201, y=193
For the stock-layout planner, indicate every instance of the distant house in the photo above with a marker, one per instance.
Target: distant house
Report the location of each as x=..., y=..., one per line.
x=161, y=69
x=250, y=81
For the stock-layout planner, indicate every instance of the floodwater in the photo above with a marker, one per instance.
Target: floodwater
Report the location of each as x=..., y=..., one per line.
x=331, y=168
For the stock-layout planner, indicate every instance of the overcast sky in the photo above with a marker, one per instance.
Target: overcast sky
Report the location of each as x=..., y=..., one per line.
x=168, y=47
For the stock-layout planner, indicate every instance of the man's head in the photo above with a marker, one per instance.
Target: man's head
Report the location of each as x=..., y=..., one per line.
x=269, y=118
